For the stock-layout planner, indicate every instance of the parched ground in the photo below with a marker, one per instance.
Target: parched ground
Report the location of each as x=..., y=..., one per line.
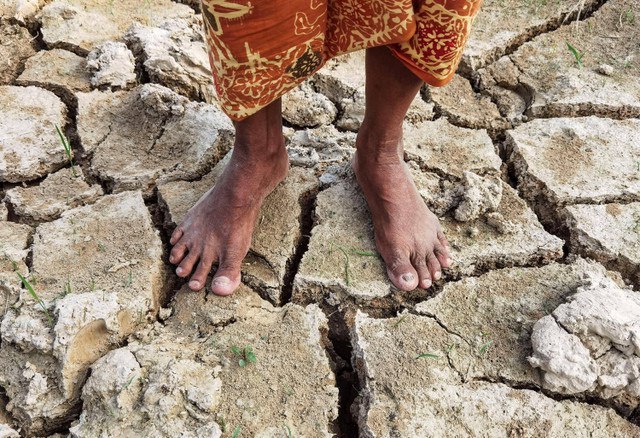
x=530, y=157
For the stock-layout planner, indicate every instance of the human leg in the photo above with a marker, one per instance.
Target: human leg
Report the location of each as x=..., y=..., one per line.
x=408, y=235
x=219, y=227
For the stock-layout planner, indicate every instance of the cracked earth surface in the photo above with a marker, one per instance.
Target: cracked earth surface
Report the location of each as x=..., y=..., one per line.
x=530, y=158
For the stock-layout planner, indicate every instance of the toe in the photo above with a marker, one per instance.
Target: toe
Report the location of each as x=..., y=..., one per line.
x=424, y=276
x=402, y=273
x=176, y=235
x=200, y=276
x=434, y=266
x=227, y=277
x=186, y=266
x=445, y=243
x=442, y=255
x=177, y=253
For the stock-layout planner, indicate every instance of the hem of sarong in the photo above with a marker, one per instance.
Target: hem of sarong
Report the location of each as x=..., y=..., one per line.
x=425, y=76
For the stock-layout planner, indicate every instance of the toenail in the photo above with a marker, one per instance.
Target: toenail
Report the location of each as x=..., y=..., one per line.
x=437, y=275
x=427, y=283
x=221, y=281
x=194, y=284
x=407, y=277
x=179, y=271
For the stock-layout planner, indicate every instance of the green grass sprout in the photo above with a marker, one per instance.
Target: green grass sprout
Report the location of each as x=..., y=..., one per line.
x=289, y=434
x=364, y=253
x=576, y=54
x=347, y=277
x=35, y=296
x=400, y=321
x=484, y=347
x=428, y=355
x=246, y=355
x=67, y=150
x=236, y=432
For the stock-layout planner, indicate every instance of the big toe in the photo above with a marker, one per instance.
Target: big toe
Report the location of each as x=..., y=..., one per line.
x=226, y=280
x=402, y=273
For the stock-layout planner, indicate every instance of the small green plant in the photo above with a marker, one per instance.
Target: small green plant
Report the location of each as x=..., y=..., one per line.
x=130, y=381
x=288, y=429
x=129, y=280
x=236, y=432
x=364, y=253
x=66, y=290
x=347, y=275
x=353, y=251
x=427, y=355
x=35, y=296
x=400, y=321
x=627, y=17
x=222, y=423
x=67, y=150
x=484, y=347
x=246, y=355
x=576, y=54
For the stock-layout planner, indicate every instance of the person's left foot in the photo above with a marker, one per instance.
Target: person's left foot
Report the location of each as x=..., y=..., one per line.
x=408, y=236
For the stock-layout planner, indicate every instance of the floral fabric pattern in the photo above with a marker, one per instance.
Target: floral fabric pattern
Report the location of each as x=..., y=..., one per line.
x=260, y=49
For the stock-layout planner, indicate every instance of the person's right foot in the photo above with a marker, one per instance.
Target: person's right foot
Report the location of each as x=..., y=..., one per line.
x=219, y=227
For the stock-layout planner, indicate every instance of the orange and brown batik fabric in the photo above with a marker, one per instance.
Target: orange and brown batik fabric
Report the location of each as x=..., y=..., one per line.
x=260, y=49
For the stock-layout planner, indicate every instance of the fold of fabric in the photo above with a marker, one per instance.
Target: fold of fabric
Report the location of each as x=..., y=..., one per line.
x=260, y=49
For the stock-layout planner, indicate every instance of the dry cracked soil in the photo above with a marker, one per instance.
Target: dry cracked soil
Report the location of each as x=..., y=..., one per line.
x=530, y=157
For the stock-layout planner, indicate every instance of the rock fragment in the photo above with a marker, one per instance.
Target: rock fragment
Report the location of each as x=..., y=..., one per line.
x=609, y=233
x=479, y=195
x=110, y=245
x=19, y=10
x=4, y=213
x=464, y=107
x=410, y=389
x=58, y=193
x=600, y=324
x=501, y=25
x=150, y=134
x=277, y=233
x=304, y=107
x=555, y=84
x=112, y=65
x=57, y=69
x=496, y=312
x=574, y=160
x=29, y=145
x=568, y=367
x=447, y=149
x=329, y=145
x=85, y=306
x=81, y=25
x=8, y=432
x=14, y=247
x=174, y=54
x=186, y=379
x=16, y=47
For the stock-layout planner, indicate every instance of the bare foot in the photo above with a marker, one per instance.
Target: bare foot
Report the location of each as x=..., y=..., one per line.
x=408, y=236
x=218, y=229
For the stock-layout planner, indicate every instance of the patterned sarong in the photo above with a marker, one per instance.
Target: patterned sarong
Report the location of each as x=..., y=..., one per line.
x=260, y=49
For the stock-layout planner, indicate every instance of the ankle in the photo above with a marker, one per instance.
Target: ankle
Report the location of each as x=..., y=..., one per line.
x=380, y=144
x=268, y=165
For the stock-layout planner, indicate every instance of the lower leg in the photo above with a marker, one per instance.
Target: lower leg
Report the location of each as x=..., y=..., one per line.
x=408, y=236
x=219, y=227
